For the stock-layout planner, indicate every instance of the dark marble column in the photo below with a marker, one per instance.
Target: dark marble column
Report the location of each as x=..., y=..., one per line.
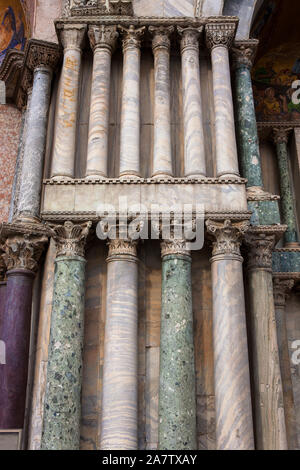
x=42, y=59
x=234, y=426
x=243, y=55
x=22, y=249
x=177, y=391
x=282, y=289
x=62, y=404
x=2, y=287
x=270, y=430
x=281, y=136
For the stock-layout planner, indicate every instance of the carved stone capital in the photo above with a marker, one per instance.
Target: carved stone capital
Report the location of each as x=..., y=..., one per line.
x=260, y=247
x=131, y=36
x=174, y=247
x=282, y=289
x=41, y=54
x=103, y=37
x=118, y=248
x=228, y=237
x=189, y=38
x=22, y=245
x=70, y=238
x=71, y=36
x=244, y=52
x=220, y=34
x=161, y=36
x=281, y=135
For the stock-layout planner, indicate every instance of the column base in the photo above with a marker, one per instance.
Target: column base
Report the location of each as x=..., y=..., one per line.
x=127, y=176
x=159, y=176
x=96, y=176
x=228, y=175
x=62, y=178
x=27, y=219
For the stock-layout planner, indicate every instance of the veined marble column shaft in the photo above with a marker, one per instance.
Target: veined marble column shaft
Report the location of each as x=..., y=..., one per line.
x=267, y=385
x=281, y=136
x=103, y=41
x=194, y=148
x=219, y=38
x=282, y=289
x=63, y=158
x=130, y=117
x=62, y=402
x=119, y=424
x=243, y=56
x=162, y=153
x=2, y=287
x=177, y=391
x=234, y=425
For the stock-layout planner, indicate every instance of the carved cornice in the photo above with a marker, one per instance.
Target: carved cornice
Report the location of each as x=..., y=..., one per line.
x=103, y=37
x=157, y=181
x=189, y=38
x=42, y=53
x=174, y=247
x=220, y=35
x=71, y=36
x=261, y=241
x=131, y=36
x=101, y=7
x=70, y=238
x=161, y=36
x=119, y=248
x=282, y=289
x=244, y=52
x=281, y=135
x=23, y=244
x=228, y=237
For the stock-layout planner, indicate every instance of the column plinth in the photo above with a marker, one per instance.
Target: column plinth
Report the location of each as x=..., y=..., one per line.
x=194, y=149
x=119, y=426
x=219, y=39
x=234, y=426
x=268, y=396
x=177, y=392
x=62, y=403
x=103, y=41
x=63, y=158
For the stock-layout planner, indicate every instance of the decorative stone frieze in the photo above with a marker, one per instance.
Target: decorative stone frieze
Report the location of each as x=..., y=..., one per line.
x=71, y=238
x=100, y=7
x=221, y=34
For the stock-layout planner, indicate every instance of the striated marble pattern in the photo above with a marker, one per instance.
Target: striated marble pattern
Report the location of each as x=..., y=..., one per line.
x=34, y=149
x=62, y=406
x=120, y=380
x=177, y=393
x=164, y=8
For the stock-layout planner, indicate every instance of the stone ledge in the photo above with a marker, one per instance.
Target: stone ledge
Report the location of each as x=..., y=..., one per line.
x=135, y=181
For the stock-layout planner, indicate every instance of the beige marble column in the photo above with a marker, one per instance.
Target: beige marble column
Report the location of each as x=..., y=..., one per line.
x=282, y=289
x=103, y=41
x=120, y=382
x=234, y=427
x=130, y=117
x=194, y=149
x=63, y=158
x=219, y=38
x=270, y=430
x=162, y=153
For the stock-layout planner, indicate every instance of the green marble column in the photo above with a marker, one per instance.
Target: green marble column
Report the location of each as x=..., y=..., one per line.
x=177, y=392
x=62, y=408
x=280, y=137
x=243, y=55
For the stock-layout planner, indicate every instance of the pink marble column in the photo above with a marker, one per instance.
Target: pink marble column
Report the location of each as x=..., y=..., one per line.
x=130, y=118
x=194, y=149
x=63, y=158
x=103, y=41
x=234, y=425
x=219, y=38
x=162, y=155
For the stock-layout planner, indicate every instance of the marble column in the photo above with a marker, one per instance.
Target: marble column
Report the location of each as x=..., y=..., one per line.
x=22, y=248
x=194, y=148
x=177, y=391
x=42, y=59
x=130, y=117
x=219, y=38
x=270, y=430
x=103, y=41
x=234, y=426
x=162, y=152
x=62, y=402
x=119, y=423
x=64, y=145
x=282, y=289
x=2, y=287
x=243, y=56
x=280, y=137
